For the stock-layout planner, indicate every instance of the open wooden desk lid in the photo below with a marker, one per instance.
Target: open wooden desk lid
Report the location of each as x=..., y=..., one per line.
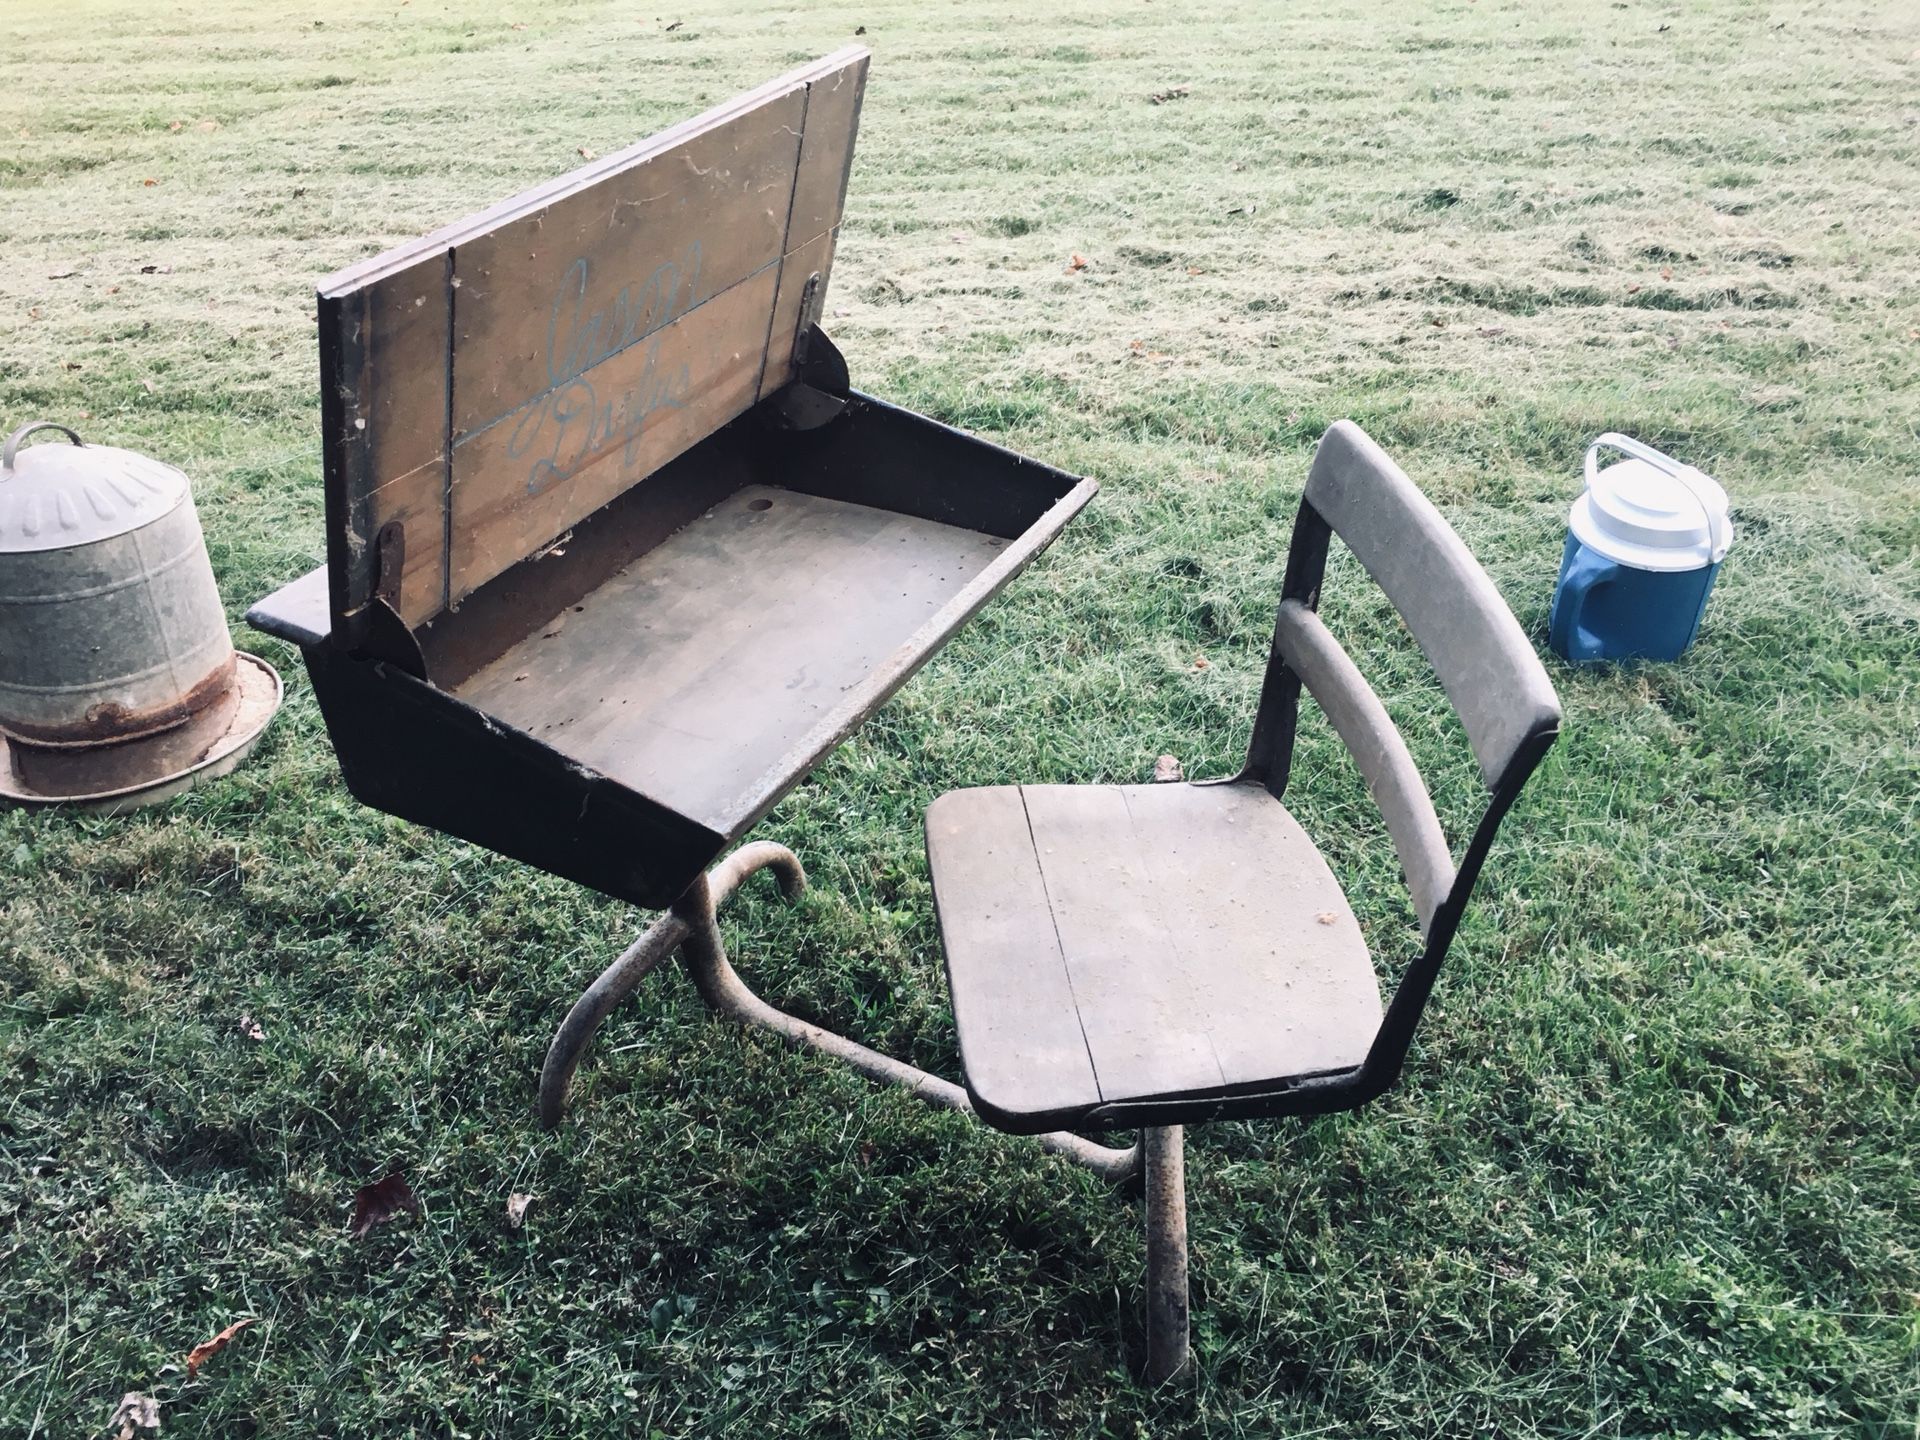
x=491, y=385
x=518, y=642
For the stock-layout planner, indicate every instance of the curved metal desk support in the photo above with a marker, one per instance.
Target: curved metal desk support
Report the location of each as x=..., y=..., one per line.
x=691, y=927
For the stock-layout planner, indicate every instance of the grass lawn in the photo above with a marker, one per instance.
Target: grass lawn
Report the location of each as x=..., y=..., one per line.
x=1652, y=1168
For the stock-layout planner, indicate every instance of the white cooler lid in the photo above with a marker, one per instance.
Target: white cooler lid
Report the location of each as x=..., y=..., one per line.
x=1638, y=515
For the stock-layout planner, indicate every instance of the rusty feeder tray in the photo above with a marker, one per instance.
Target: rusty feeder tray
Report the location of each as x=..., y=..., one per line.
x=119, y=685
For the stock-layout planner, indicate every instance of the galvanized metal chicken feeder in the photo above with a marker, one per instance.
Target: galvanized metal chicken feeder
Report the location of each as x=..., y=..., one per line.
x=119, y=685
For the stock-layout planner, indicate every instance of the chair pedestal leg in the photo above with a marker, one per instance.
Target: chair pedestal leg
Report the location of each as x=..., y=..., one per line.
x=1167, y=1352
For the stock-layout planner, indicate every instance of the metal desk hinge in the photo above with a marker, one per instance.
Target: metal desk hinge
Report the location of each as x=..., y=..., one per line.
x=820, y=387
x=811, y=300
x=385, y=636
x=389, y=562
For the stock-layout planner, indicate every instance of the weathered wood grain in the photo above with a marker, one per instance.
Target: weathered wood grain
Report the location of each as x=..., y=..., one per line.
x=1205, y=943
x=384, y=344
x=524, y=480
x=826, y=151
x=1013, y=1003
x=547, y=297
x=695, y=671
x=1148, y=1030
x=576, y=301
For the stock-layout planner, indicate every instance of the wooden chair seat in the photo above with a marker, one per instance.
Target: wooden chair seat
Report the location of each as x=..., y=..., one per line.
x=1117, y=951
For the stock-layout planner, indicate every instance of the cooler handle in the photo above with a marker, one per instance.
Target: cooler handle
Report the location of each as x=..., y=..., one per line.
x=1587, y=574
x=1719, y=527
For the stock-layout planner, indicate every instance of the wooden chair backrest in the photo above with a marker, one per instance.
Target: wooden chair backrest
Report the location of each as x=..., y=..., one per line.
x=1496, y=683
x=489, y=386
x=1491, y=674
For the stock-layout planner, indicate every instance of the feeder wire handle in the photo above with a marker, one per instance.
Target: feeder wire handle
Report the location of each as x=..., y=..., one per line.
x=13, y=440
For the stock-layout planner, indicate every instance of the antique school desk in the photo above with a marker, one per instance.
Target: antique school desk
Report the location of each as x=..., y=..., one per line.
x=615, y=555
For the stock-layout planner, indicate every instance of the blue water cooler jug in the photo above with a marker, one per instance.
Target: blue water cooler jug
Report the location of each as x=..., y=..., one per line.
x=1643, y=545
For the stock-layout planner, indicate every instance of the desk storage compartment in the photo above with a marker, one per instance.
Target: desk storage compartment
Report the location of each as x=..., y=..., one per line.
x=614, y=553
x=620, y=707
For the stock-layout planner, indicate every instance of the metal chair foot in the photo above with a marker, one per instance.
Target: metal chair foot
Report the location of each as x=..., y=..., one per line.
x=1168, y=1354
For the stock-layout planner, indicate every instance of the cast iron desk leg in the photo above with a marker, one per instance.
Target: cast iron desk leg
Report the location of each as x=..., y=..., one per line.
x=692, y=928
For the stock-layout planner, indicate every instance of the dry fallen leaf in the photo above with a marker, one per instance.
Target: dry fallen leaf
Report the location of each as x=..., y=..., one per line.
x=1666, y=272
x=585, y=153
x=1633, y=289
x=1166, y=769
x=517, y=1204
x=1200, y=663
x=1076, y=263
x=1327, y=917
x=174, y=127
x=380, y=1202
x=136, y=1412
x=249, y=1026
x=207, y=1349
x=149, y=182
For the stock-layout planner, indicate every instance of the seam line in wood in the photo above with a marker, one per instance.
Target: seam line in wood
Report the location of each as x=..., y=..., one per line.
x=1060, y=945
x=786, y=239
x=446, y=457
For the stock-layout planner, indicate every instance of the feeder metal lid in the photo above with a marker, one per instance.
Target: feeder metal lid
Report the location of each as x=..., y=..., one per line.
x=54, y=497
